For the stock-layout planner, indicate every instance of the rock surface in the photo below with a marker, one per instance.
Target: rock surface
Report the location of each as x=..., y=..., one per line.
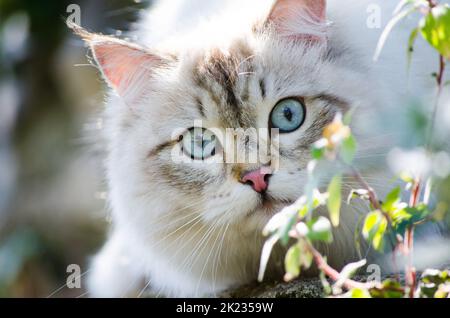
x=304, y=288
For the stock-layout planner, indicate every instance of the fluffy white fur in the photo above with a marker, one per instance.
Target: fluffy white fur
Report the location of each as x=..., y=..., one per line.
x=180, y=244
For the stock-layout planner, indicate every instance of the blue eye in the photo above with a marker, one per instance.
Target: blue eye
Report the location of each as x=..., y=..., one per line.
x=288, y=115
x=199, y=144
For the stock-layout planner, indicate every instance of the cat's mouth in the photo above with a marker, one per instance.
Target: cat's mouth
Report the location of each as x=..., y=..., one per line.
x=270, y=205
x=267, y=202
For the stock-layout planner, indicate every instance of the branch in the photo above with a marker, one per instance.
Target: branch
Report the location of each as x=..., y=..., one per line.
x=373, y=198
x=334, y=274
x=440, y=83
x=432, y=3
x=409, y=242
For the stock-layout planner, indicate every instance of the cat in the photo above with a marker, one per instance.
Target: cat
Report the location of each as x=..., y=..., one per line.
x=191, y=228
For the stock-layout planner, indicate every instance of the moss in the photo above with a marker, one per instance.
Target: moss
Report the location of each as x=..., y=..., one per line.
x=304, y=288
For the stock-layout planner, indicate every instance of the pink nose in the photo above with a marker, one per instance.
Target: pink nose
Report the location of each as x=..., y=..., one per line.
x=258, y=179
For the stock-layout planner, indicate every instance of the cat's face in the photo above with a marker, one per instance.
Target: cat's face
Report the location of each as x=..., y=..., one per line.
x=243, y=88
x=260, y=80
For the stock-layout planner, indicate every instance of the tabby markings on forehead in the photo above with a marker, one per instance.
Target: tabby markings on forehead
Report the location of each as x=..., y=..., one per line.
x=262, y=87
x=220, y=74
x=201, y=107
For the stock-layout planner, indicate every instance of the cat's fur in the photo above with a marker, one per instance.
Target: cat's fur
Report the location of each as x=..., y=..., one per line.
x=194, y=229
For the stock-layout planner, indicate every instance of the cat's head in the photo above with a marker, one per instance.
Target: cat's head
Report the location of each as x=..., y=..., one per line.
x=282, y=72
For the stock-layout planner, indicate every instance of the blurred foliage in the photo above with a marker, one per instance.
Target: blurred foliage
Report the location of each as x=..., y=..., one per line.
x=50, y=101
x=435, y=284
x=424, y=169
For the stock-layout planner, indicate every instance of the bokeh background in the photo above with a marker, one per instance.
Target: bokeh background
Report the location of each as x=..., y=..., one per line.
x=52, y=207
x=52, y=193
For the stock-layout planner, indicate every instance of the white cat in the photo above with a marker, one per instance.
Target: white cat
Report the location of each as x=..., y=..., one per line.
x=194, y=229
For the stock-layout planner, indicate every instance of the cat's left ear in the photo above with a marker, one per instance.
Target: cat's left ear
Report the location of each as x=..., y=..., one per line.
x=300, y=19
x=126, y=67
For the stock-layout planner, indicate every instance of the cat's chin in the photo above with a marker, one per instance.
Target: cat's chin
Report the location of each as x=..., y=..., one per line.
x=269, y=206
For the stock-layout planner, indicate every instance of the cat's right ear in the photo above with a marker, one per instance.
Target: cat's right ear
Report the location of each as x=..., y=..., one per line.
x=126, y=67
x=300, y=19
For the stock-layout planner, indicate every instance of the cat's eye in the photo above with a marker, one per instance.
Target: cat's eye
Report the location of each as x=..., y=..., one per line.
x=288, y=115
x=199, y=143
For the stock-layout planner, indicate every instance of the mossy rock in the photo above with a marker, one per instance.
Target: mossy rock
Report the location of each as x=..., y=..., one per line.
x=303, y=288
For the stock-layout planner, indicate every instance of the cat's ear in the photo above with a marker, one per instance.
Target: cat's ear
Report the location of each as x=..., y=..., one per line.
x=125, y=66
x=302, y=19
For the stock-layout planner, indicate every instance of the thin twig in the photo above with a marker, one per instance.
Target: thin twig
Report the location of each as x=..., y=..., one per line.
x=432, y=3
x=409, y=244
x=440, y=84
x=334, y=274
x=373, y=198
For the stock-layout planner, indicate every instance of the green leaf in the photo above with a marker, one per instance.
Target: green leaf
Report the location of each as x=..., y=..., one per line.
x=265, y=255
x=400, y=220
x=374, y=229
x=358, y=293
x=388, y=29
x=443, y=291
x=434, y=283
x=302, y=229
x=335, y=199
x=363, y=194
x=436, y=276
x=317, y=153
x=307, y=257
x=388, y=289
x=435, y=28
x=418, y=213
x=318, y=199
x=320, y=230
x=403, y=218
x=283, y=232
x=370, y=224
x=325, y=284
x=391, y=200
x=348, y=271
x=298, y=256
x=406, y=177
x=348, y=149
x=303, y=211
x=281, y=223
x=411, y=41
x=292, y=262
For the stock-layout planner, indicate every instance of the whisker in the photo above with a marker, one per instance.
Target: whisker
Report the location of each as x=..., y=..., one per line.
x=56, y=291
x=216, y=263
x=175, y=231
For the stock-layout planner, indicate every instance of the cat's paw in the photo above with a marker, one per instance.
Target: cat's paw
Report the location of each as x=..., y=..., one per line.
x=114, y=273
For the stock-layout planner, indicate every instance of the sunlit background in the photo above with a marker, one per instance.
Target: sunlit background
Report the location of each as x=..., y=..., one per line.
x=52, y=208
x=52, y=194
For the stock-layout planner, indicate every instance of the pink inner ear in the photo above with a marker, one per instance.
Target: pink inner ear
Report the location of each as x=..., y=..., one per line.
x=288, y=9
x=122, y=65
x=317, y=8
x=301, y=19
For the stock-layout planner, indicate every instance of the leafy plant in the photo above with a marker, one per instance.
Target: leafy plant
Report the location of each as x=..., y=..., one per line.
x=392, y=219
